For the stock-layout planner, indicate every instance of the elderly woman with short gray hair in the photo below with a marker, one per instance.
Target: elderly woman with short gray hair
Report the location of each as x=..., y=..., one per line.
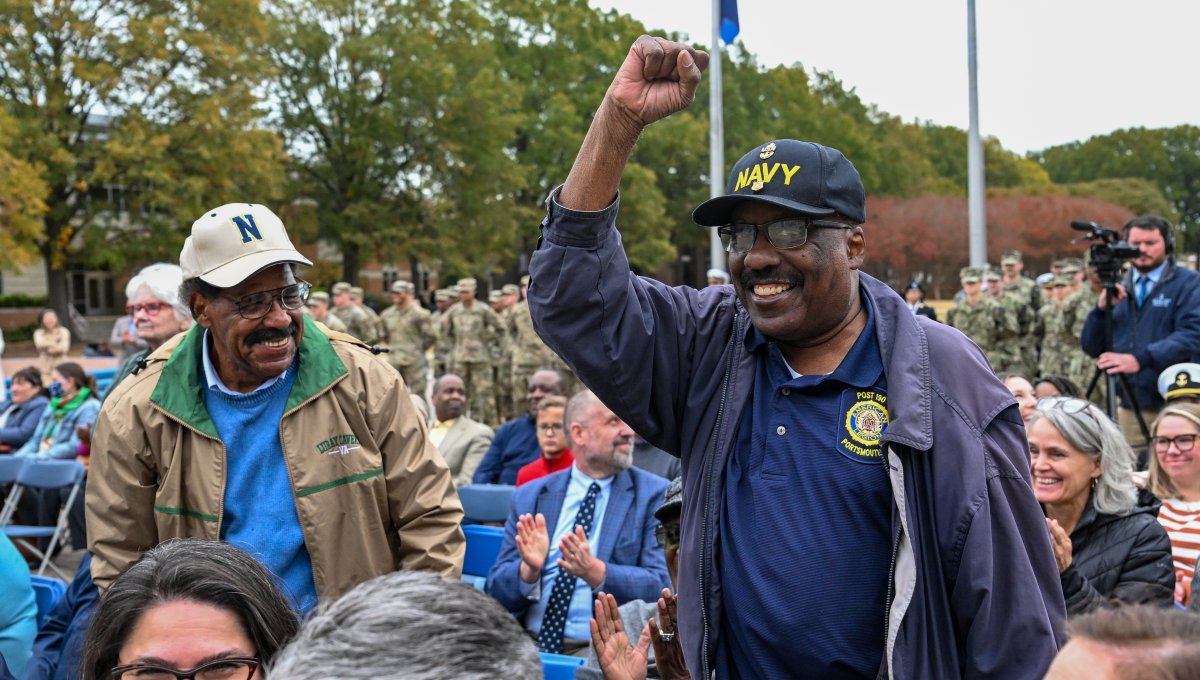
x=1108, y=549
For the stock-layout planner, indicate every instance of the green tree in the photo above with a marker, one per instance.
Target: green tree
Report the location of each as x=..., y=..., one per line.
x=398, y=117
x=151, y=98
x=1168, y=157
x=22, y=202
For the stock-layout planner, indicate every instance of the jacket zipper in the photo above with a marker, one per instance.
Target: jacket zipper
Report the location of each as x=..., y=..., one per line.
x=705, y=559
x=891, y=578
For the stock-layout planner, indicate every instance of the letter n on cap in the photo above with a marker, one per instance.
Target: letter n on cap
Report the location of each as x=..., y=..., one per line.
x=247, y=228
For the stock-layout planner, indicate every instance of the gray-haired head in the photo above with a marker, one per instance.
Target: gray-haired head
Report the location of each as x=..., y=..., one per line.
x=412, y=625
x=161, y=280
x=1089, y=430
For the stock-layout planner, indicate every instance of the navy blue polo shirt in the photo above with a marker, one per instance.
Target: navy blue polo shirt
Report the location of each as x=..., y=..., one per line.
x=805, y=526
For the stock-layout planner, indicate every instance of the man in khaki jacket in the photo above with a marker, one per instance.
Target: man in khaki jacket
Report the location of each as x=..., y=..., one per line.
x=258, y=428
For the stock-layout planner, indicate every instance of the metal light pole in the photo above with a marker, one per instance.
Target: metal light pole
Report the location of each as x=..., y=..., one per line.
x=975, y=185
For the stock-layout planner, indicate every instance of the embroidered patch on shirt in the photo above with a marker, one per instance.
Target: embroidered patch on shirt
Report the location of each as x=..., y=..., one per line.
x=1161, y=301
x=342, y=444
x=864, y=418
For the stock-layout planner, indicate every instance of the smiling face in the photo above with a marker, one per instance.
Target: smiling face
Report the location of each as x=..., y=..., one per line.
x=1061, y=473
x=248, y=352
x=603, y=442
x=449, y=397
x=1183, y=468
x=799, y=296
x=158, y=327
x=22, y=391
x=1023, y=391
x=183, y=634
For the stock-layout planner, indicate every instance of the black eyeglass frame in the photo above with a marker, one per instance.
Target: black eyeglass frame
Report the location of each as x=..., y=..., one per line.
x=1167, y=441
x=191, y=673
x=303, y=289
x=730, y=233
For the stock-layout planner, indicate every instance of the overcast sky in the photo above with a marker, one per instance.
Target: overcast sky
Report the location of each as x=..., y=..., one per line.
x=1050, y=71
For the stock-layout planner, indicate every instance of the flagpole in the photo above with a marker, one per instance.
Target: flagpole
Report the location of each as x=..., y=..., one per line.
x=977, y=224
x=716, y=134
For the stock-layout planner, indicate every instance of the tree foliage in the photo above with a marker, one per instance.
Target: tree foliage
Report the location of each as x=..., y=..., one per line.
x=1168, y=157
x=22, y=202
x=154, y=99
x=398, y=117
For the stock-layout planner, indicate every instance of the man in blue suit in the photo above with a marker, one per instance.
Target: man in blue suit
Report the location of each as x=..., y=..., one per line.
x=582, y=530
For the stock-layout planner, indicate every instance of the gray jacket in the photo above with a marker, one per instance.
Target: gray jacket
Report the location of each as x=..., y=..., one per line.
x=974, y=589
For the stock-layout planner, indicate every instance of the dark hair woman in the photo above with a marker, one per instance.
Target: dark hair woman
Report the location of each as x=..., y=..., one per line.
x=188, y=608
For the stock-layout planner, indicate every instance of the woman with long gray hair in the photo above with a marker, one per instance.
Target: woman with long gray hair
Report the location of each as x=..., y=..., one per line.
x=1107, y=548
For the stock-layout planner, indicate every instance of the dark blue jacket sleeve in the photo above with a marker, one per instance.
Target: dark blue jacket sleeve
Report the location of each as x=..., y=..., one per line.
x=634, y=341
x=1091, y=338
x=59, y=643
x=489, y=468
x=18, y=431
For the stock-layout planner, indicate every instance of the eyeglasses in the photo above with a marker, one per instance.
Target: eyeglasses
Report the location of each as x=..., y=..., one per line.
x=550, y=427
x=1183, y=442
x=257, y=305
x=667, y=535
x=1065, y=404
x=150, y=308
x=233, y=668
x=783, y=234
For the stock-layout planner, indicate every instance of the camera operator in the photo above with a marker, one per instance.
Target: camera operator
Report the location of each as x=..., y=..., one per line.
x=1155, y=318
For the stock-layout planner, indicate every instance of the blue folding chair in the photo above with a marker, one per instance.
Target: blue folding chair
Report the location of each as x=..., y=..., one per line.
x=483, y=547
x=485, y=502
x=42, y=474
x=47, y=592
x=10, y=466
x=559, y=666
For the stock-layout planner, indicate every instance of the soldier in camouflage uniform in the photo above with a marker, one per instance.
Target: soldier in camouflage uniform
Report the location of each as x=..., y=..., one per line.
x=1010, y=342
x=356, y=296
x=501, y=358
x=356, y=320
x=318, y=308
x=1079, y=301
x=979, y=317
x=443, y=352
x=473, y=329
x=410, y=333
x=1056, y=329
x=1012, y=266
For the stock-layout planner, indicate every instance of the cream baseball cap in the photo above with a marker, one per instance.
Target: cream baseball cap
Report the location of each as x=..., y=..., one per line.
x=231, y=243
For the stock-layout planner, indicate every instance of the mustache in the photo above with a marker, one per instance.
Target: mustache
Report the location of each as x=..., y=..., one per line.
x=623, y=440
x=753, y=277
x=270, y=334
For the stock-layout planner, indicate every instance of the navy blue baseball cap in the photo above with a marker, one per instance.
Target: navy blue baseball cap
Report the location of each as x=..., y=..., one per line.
x=809, y=178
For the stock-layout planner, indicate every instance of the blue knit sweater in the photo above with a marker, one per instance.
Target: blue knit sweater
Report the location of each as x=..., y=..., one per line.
x=260, y=510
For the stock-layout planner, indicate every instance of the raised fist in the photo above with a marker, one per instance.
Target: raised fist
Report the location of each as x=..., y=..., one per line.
x=658, y=78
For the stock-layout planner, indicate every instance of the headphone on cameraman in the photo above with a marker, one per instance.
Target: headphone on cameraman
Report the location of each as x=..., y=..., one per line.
x=1153, y=222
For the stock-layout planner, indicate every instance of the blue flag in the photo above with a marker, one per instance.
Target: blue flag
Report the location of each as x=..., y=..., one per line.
x=729, y=20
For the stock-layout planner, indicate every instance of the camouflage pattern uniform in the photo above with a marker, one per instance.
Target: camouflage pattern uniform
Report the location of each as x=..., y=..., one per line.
x=357, y=323
x=380, y=333
x=984, y=322
x=1010, y=344
x=409, y=333
x=473, y=331
x=1057, y=340
x=1079, y=366
x=529, y=354
x=443, y=351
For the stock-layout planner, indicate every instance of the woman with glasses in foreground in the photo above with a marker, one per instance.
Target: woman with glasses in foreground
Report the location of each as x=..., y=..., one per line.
x=1107, y=548
x=188, y=608
x=1175, y=479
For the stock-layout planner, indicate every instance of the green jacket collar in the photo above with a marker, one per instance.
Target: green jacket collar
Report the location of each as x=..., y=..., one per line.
x=180, y=388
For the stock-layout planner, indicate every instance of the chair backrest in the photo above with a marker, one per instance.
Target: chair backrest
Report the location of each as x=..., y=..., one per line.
x=483, y=547
x=10, y=467
x=486, y=502
x=50, y=474
x=47, y=592
x=559, y=666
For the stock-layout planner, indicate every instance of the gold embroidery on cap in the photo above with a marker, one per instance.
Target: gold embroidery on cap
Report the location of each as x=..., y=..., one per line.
x=757, y=185
x=767, y=152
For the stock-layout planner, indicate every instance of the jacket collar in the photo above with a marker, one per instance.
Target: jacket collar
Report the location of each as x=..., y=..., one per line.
x=620, y=499
x=180, y=389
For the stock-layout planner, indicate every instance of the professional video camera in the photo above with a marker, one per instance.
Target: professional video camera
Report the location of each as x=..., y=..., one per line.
x=1108, y=251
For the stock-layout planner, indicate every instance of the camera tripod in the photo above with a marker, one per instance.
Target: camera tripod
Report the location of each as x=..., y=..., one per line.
x=1110, y=293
